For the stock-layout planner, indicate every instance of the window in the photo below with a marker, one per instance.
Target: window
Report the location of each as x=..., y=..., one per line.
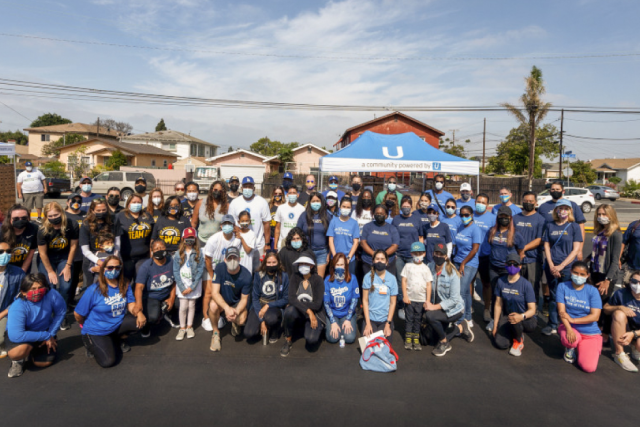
x=164, y=163
x=115, y=176
x=194, y=150
x=153, y=162
x=242, y=155
x=309, y=150
x=45, y=138
x=200, y=150
x=151, y=180
x=132, y=176
x=172, y=146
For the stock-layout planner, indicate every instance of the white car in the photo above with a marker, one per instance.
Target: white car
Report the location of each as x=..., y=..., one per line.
x=580, y=196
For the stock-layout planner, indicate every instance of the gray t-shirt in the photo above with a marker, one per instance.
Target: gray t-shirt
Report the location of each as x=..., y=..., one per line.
x=304, y=295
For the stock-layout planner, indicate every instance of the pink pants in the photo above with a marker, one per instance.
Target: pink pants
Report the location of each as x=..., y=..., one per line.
x=589, y=348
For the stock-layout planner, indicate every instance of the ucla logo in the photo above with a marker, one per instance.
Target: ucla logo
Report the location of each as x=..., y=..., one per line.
x=437, y=166
x=399, y=155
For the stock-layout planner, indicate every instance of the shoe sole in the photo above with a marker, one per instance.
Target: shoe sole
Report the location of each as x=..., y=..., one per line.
x=470, y=332
x=517, y=353
x=628, y=370
x=570, y=361
x=442, y=354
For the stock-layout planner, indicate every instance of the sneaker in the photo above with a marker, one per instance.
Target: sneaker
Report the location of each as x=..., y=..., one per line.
x=181, y=334
x=467, y=333
x=548, y=331
x=489, y=326
x=570, y=355
x=190, y=333
x=125, y=347
x=146, y=335
x=416, y=344
x=470, y=323
x=235, y=330
x=221, y=322
x=286, y=348
x=3, y=352
x=624, y=362
x=635, y=354
x=516, y=348
x=476, y=296
x=16, y=369
x=274, y=335
x=401, y=314
x=408, y=344
x=206, y=325
x=65, y=324
x=167, y=317
x=215, y=342
x=441, y=349
x=88, y=354
x=487, y=315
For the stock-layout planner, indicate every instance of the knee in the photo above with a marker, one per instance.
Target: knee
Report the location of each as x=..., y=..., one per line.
x=42, y=364
x=589, y=366
x=271, y=318
x=214, y=308
x=619, y=317
x=289, y=312
x=350, y=338
x=501, y=343
x=106, y=362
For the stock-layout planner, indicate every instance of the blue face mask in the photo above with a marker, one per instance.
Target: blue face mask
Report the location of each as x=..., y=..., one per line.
x=480, y=208
x=504, y=198
x=292, y=198
x=296, y=244
x=5, y=258
x=112, y=274
x=247, y=193
x=578, y=280
x=333, y=185
x=227, y=229
x=338, y=273
x=86, y=188
x=391, y=187
x=316, y=206
x=450, y=211
x=467, y=220
x=135, y=207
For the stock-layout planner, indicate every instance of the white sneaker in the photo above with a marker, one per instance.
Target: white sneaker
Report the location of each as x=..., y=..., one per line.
x=206, y=325
x=221, y=322
x=624, y=362
x=181, y=334
x=401, y=314
x=487, y=315
x=635, y=354
x=476, y=296
x=570, y=355
x=470, y=323
x=167, y=317
x=548, y=331
x=190, y=333
x=489, y=326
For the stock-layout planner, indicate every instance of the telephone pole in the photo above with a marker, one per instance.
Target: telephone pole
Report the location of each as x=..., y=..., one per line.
x=484, y=139
x=561, y=133
x=532, y=142
x=454, y=136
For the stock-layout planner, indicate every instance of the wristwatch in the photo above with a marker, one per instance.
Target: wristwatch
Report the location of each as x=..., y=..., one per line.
x=634, y=334
x=389, y=322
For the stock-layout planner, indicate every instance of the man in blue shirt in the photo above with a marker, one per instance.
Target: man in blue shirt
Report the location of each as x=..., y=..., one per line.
x=505, y=198
x=484, y=220
x=439, y=197
x=465, y=197
x=287, y=181
x=530, y=224
x=86, y=194
x=333, y=186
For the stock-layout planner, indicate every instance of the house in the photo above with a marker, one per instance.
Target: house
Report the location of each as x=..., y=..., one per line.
x=306, y=159
x=238, y=157
x=625, y=169
x=551, y=170
x=43, y=135
x=182, y=144
x=196, y=161
x=99, y=150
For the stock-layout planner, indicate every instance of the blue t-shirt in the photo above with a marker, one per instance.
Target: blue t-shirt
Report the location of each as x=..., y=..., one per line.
x=631, y=240
x=465, y=238
x=343, y=233
x=232, y=286
x=424, y=220
x=567, y=233
x=500, y=250
x=471, y=203
x=453, y=223
x=340, y=294
x=86, y=202
x=319, y=237
x=380, y=298
x=409, y=230
x=157, y=279
x=625, y=297
x=546, y=210
x=432, y=235
x=484, y=222
x=103, y=315
x=515, y=210
x=530, y=228
x=379, y=237
x=579, y=304
x=442, y=198
x=515, y=296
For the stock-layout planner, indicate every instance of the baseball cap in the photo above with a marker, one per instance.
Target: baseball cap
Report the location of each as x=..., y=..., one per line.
x=228, y=218
x=288, y=175
x=28, y=164
x=465, y=186
x=247, y=180
x=85, y=179
x=73, y=195
x=513, y=257
x=304, y=260
x=563, y=202
x=142, y=178
x=189, y=232
x=232, y=251
x=333, y=178
x=417, y=247
x=234, y=178
x=439, y=247
x=332, y=194
x=505, y=210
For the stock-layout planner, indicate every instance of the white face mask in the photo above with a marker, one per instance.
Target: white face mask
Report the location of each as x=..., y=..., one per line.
x=635, y=288
x=417, y=259
x=345, y=212
x=304, y=269
x=603, y=220
x=192, y=196
x=29, y=168
x=156, y=201
x=439, y=185
x=232, y=264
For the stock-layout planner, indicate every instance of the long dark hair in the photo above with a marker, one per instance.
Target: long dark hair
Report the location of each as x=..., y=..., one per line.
x=103, y=286
x=322, y=213
x=92, y=222
x=360, y=207
x=299, y=232
x=8, y=233
x=224, y=201
x=263, y=265
x=167, y=203
x=510, y=233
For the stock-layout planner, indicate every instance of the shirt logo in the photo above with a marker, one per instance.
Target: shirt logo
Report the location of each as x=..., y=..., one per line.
x=269, y=288
x=291, y=215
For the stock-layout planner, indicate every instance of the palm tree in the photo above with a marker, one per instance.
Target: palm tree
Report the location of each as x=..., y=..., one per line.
x=536, y=108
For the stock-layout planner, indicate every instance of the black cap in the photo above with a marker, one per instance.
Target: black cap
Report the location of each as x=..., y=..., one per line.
x=505, y=210
x=73, y=195
x=234, y=178
x=439, y=247
x=513, y=257
x=142, y=178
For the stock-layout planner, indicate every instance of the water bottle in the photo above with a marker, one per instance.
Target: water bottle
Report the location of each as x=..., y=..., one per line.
x=265, y=339
x=341, y=341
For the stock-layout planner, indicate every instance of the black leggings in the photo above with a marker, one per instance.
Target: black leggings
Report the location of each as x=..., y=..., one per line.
x=104, y=347
x=506, y=331
x=131, y=265
x=439, y=320
x=152, y=310
x=75, y=280
x=293, y=316
x=273, y=319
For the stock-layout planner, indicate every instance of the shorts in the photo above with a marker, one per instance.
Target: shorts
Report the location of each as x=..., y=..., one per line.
x=38, y=354
x=33, y=200
x=321, y=256
x=484, y=269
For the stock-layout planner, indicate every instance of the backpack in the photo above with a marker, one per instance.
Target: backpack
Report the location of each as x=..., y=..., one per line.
x=378, y=356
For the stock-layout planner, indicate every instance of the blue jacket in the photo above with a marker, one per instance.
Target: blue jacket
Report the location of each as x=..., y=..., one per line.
x=197, y=269
x=35, y=321
x=281, y=289
x=14, y=278
x=448, y=290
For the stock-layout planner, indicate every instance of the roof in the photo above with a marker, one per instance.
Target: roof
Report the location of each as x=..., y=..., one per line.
x=605, y=170
x=186, y=160
x=166, y=136
x=617, y=164
x=132, y=148
x=75, y=128
x=241, y=150
x=269, y=159
x=378, y=119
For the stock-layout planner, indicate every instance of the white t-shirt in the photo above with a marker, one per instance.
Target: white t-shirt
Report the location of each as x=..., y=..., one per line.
x=31, y=181
x=365, y=218
x=287, y=216
x=187, y=280
x=217, y=246
x=258, y=208
x=417, y=277
x=246, y=259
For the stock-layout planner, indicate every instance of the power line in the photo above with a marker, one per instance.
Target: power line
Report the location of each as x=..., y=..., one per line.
x=16, y=111
x=604, y=139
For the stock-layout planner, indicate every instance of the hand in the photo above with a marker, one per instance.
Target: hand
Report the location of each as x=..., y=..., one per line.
x=20, y=196
x=571, y=336
x=346, y=326
x=627, y=311
x=368, y=330
x=66, y=273
x=263, y=328
x=314, y=321
x=335, y=330
x=170, y=302
x=425, y=305
x=237, y=231
x=187, y=292
x=387, y=330
x=603, y=287
x=53, y=278
x=100, y=262
x=515, y=318
x=51, y=344
x=230, y=313
x=626, y=338
x=429, y=306
x=140, y=320
x=263, y=311
x=406, y=300
x=461, y=269
x=579, y=256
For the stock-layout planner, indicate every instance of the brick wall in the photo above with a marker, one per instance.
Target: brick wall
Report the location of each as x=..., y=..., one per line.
x=8, y=187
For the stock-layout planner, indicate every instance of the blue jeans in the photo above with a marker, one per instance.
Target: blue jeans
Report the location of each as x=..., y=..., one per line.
x=565, y=276
x=465, y=282
x=63, y=285
x=321, y=256
x=348, y=338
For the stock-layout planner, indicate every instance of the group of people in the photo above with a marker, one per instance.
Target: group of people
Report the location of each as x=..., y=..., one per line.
x=316, y=264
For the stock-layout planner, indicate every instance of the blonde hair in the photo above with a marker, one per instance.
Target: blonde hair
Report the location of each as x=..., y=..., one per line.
x=450, y=267
x=570, y=218
x=47, y=226
x=613, y=225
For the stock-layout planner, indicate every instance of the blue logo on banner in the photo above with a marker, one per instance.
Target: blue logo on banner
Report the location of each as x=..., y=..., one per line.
x=437, y=166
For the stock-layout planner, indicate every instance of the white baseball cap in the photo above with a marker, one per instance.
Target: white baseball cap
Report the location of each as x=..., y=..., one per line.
x=465, y=186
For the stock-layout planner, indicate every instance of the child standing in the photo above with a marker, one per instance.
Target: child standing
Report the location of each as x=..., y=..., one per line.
x=416, y=285
x=188, y=268
x=106, y=248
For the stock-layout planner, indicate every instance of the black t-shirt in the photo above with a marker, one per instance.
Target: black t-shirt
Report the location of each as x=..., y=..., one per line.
x=86, y=238
x=135, y=234
x=113, y=214
x=303, y=199
x=77, y=218
x=25, y=242
x=187, y=210
x=170, y=230
x=156, y=214
x=58, y=246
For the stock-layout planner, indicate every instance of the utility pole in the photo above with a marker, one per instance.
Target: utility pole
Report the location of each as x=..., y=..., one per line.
x=561, y=133
x=484, y=139
x=532, y=143
x=98, y=128
x=454, y=136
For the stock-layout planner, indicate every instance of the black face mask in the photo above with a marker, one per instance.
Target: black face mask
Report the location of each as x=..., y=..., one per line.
x=356, y=187
x=286, y=185
x=160, y=254
x=272, y=269
x=528, y=207
x=439, y=260
x=141, y=189
x=101, y=215
x=20, y=223
x=113, y=200
x=379, y=266
x=234, y=187
x=504, y=221
x=216, y=194
x=56, y=221
x=555, y=195
x=379, y=219
x=389, y=203
x=366, y=203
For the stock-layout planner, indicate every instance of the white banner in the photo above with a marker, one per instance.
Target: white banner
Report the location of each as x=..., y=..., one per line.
x=328, y=164
x=7, y=149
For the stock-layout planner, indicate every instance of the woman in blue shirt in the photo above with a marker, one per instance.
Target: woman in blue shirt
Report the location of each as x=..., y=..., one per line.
x=344, y=234
x=34, y=320
x=468, y=240
x=379, y=293
x=452, y=220
x=421, y=208
x=379, y=235
x=107, y=313
x=341, y=296
x=315, y=222
x=435, y=232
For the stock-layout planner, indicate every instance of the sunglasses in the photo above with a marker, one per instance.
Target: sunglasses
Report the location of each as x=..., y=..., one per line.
x=634, y=281
x=112, y=267
x=451, y=207
x=513, y=264
x=23, y=218
x=310, y=182
x=5, y=251
x=466, y=216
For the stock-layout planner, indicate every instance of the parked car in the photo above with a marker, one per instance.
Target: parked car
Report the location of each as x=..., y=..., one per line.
x=580, y=196
x=604, y=192
x=124, y=180
x=55, y=186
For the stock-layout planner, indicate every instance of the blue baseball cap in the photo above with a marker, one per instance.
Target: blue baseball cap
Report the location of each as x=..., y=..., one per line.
x=333, y=178
x=288, y=175
x=28, y=164
x=563, y=202
x=247, y=180
x=417, y=247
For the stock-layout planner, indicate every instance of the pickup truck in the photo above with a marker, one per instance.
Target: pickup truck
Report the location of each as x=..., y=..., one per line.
x=55, y=186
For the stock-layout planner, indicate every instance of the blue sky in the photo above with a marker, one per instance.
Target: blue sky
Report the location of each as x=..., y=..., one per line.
x=332, y=44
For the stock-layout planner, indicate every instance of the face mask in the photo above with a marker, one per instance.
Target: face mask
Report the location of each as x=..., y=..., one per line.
x=555, y=195
x=311, y=186
x=504, y=221
x=190, y=241
x=331, y=202
x=56, y=221
x=366, y=203
x=304, y=270
x=113, y=200
x=578, y=280
x=75, y=206
x=160, y=254
x=480, y=208
x=108, y=249
x=112, y=274
x=156, y=201
x=101, y=215
x=465, y=196
x=389, y=203
x=333, y=185
x=36, y=295
x=528, y=207
x=29, y=168
x=356, y=187
x=467, y=220
x=5, y=258
x=345, y=212
x=277, y=197
x=439, y=185
x=406, y=211
x=292, y=198
x=504, y=198
x=603, y=220
x=296, y=244
x=379, y=266
x=432, y=217
x=135, y=207
x=316, y=206
x=272, y=269
x=339, y=273
x=19, y=223
x=439, y=260
x=417, y=259
x=232, y=264
x=227, y=229
x=247, y=193
x=215, y=194
x=513, y=269
x=192, y=196
x=450, y=211
x=563, y=214
x=179, y=193
x=141, y=189
x=391, y=187
x=234, y=187
x=86, y=188
x=173, y=211
x=379, y=219
x=635, y=287
x=286, y=185
x=424, y=205
x=245, y=225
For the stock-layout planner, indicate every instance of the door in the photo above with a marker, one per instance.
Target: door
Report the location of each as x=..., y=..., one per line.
x=100, y=184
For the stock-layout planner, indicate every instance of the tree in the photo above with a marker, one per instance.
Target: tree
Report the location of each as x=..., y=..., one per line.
x=49, y=119
x=77, y=166
x=116, y=160
x=537, y=110
x=110, y=124
x=230, y=150
x=285, y=155
x=53, y=148
x=161, y=126
x=54, y=169
x=512, y=154
x=449, y=147
x=615, y=180
x=18, y=136
x=270, y=148
x=583, y=172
